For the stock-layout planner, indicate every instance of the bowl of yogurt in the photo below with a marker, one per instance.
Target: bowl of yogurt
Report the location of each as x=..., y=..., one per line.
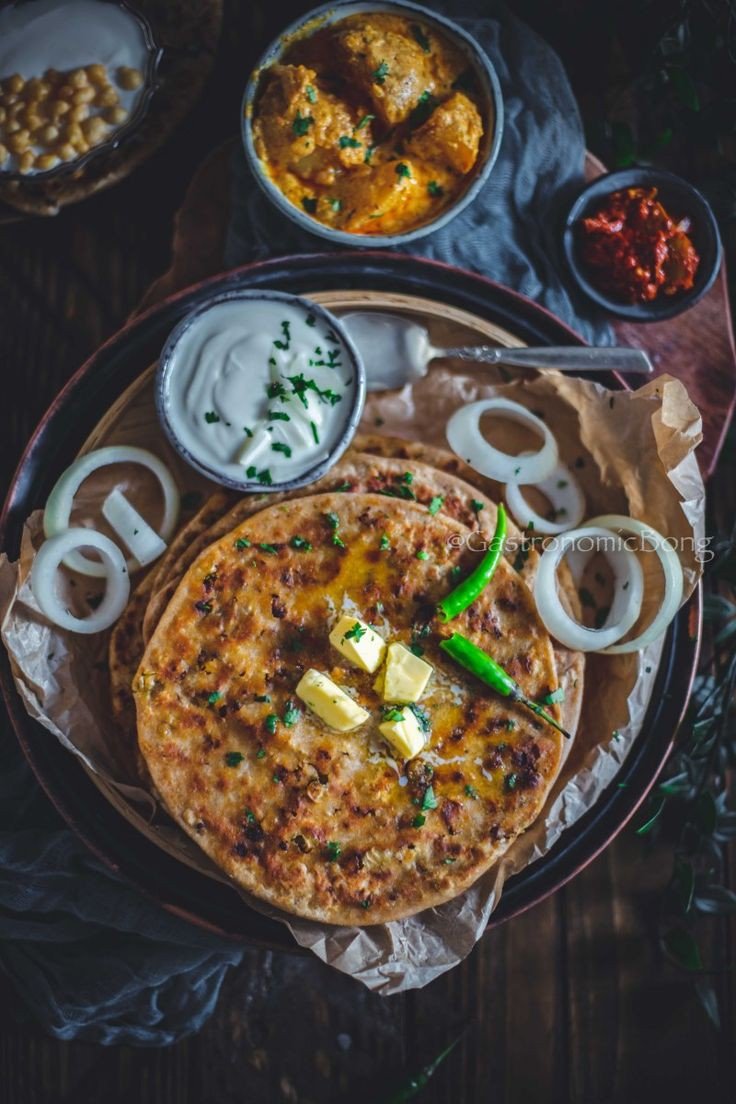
x=260, y=390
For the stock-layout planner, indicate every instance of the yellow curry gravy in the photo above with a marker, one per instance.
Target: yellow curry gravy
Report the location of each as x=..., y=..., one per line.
x=370, y=125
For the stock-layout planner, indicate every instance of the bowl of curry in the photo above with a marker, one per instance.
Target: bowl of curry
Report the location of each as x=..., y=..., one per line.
x=372, y=124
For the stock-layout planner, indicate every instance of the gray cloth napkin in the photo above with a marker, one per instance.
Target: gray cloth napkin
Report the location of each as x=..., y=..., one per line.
x=511, y=232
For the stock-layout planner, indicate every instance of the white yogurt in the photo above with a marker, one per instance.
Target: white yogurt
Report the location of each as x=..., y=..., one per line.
x=71, y=34
x=259, y=390
x=395, y=350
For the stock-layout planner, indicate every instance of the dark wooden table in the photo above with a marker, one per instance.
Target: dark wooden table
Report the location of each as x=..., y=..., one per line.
x=572, y=1001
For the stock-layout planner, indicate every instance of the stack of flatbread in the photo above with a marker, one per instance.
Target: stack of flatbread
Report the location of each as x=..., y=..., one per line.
x=206, y=659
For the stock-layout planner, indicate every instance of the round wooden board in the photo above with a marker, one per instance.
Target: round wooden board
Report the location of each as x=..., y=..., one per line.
x=110, y=398
x=132, y=419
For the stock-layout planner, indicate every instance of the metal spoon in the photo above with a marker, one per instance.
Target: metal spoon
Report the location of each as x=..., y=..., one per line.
x=396, y=351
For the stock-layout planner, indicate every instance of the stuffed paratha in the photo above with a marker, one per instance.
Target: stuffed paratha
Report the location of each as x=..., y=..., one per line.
x=318, y=822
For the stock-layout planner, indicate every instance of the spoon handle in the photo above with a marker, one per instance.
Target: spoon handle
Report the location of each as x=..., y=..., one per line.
x=565, y=358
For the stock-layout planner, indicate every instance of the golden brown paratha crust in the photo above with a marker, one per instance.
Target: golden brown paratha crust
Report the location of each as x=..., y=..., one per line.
x=247, y=620
x=356, y=473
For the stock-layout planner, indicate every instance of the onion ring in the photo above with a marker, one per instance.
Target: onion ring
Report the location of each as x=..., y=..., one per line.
x=465, y=439
x=59, y=505
x=563, y=491
x=627, y=599
x=43, y=580
x=673, y=580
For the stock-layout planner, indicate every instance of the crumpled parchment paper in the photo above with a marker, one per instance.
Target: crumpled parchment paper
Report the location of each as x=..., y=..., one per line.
x=637, y=452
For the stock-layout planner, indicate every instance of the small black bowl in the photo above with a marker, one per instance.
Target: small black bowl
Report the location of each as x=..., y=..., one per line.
x=679, y=199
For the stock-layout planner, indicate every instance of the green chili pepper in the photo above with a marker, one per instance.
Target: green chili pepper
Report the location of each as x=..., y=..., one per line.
x=418, y=1081
x=480, y=664
x=468, y=590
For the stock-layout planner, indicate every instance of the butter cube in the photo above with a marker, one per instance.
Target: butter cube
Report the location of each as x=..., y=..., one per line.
x=406, y=675
x=331, y=704
x=358, y=643
x=404, y=734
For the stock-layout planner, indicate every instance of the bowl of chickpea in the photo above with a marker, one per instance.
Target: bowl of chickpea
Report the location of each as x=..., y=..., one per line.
x=75, y=80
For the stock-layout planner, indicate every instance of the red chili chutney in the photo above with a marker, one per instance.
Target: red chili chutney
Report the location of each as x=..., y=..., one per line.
x=635, y=251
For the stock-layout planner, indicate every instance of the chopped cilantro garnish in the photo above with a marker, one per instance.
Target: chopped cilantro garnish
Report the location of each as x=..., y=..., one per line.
x=211, y=417
x=429, y=801
x=470, y=791
x=214, y=696
x=416, y=636
x=301, y=543
x=380, y=74
x=332, y=520
x=251, y=471
x=261, y=753
x=435, y=189
x=291, y=714
x=311, y=93
x=263, y=697
x=247, y=432
x=309, y=204
x=285, y=342
x=301, y=124
x=301, y=385
x=334, y=850
x=242, y=542
x=271, y=722
x=510, y=781
x=315, y=434
x=435, y=505
x=310, y=320
x=269, y=548
x=402, y=169
x=265, y=477
x=335, y=203
x=419, y=821
x=367, y=160
x=276, y=390
x=279, y=446
x=233, y=758
x=250, y=816
x=423, y=108
x=422, y=555
x=365, y=120
x=455, y=571
x=384, y=544
x=357, y=632
x=346, y=141
x=278, y=416
x=476, y=506
x=407, y=477
x=203, y=607
x=392, y=713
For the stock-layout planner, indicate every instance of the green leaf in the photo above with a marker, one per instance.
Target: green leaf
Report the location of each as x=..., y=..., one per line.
x=684, y=87
x=683, y=884
x=623, y=145
x=716, y=900
x=681, y=947
x=648, y=824
x=709, y=1000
